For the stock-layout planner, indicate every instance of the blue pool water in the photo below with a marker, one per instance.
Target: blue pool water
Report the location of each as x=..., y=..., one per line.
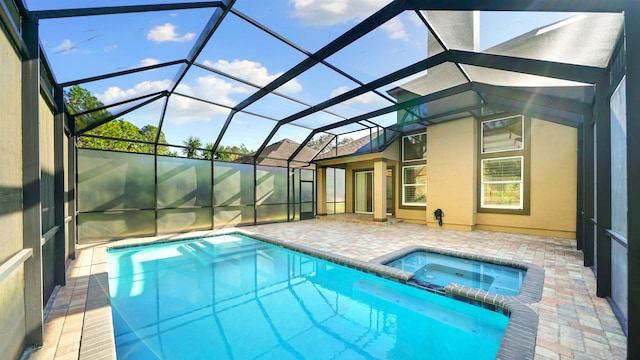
x=441, y=270
x=233, y=297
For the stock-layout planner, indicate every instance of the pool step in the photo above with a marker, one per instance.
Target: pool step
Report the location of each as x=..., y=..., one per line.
x=206, y=253
x=431, y=287
x=189, y=250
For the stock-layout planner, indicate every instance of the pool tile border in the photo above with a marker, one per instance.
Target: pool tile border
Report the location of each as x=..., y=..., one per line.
x=530, y=292
x=519, y=341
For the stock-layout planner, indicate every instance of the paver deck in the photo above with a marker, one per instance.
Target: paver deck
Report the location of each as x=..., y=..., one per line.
x=573, y=322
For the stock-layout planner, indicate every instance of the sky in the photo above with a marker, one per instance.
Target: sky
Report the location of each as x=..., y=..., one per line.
x=78, y=48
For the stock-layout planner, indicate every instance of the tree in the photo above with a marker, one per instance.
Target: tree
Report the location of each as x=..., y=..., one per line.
x=80, y=100
x=192, y=146
x=208, y=152
x=319, y=143
x=231, y=153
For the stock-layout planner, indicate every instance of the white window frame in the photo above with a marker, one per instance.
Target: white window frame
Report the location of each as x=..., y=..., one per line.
x=405, y=185
x=402, y=145
x=504, y=150
x=521, y=182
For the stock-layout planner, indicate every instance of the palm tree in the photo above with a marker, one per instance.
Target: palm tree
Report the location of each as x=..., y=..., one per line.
x=192, y=144
x=208, y=153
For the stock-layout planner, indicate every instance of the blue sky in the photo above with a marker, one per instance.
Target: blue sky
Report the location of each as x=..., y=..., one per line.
x=82, y=47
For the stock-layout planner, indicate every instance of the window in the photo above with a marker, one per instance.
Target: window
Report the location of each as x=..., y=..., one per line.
x=502, y=183
x=414, y=170
x=502, y=134
x=503, y=165
x=414, y=147
x=414, y=185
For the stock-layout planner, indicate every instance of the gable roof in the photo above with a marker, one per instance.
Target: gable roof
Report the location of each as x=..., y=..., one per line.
x=277, y=154
x=364, y=145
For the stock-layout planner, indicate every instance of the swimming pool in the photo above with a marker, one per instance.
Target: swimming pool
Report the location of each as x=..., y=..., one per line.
x=431, y=268
x=234, y=297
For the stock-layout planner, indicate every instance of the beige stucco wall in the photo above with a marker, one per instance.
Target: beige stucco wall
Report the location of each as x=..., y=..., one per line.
x=452, y=184
x=553, y=185
x=12, y=310
x=451, y=173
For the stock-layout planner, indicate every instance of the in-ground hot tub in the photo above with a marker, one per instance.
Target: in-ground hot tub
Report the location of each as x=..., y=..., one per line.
x=434, y=271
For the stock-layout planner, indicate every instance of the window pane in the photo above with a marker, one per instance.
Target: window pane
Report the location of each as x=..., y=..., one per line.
x=415, y=195
x=115, y=225
x=110, y=180
x=364, y=192
x=269, y=213
x=331, y=208
x=330, y=185
x=340, y=185
x=226, y=216
x=233, y=185
x=172, y=220
x=502, y=195
x=619, y=160
x=502, y=134
x=183, y=182
x=415, y=175
x=414, y=147
x=271, y=185
x=502, y=169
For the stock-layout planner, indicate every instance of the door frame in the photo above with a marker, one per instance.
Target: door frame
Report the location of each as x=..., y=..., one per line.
x=305, y=215
x=355, y=190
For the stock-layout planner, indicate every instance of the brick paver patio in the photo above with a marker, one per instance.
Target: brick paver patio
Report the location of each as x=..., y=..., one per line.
x=573, y=322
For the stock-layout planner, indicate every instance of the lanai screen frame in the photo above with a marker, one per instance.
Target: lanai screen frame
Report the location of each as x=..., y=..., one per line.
x=550, y=69
x=23, y=36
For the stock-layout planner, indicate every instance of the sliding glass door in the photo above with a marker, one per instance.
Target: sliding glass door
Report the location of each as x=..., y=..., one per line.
x=364, y=192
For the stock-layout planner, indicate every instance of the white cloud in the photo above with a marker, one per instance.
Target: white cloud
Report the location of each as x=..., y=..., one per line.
x=167, y=32
x=148, y=62
x=212, y=88
x=339, y=91
x=183, y=110
x=331, y=12
x=115, y=94
x=67, y=46
x=253, y=72
x=110, y=48
x=368, y=98
x=396, y=29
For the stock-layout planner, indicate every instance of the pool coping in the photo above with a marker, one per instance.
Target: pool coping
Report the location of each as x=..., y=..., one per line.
x=530, y=291
x=519, y=339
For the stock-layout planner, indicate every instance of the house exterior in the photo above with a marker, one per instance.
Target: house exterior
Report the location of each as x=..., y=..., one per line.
x=493, y=168
x=446, y=173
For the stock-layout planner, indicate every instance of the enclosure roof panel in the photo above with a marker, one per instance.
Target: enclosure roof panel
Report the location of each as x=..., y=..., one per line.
x=289, y=71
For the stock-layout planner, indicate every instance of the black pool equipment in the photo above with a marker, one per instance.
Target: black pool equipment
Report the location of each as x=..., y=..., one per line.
x=438, y=215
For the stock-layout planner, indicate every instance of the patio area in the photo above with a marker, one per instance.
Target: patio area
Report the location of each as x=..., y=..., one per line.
x=573, y=322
